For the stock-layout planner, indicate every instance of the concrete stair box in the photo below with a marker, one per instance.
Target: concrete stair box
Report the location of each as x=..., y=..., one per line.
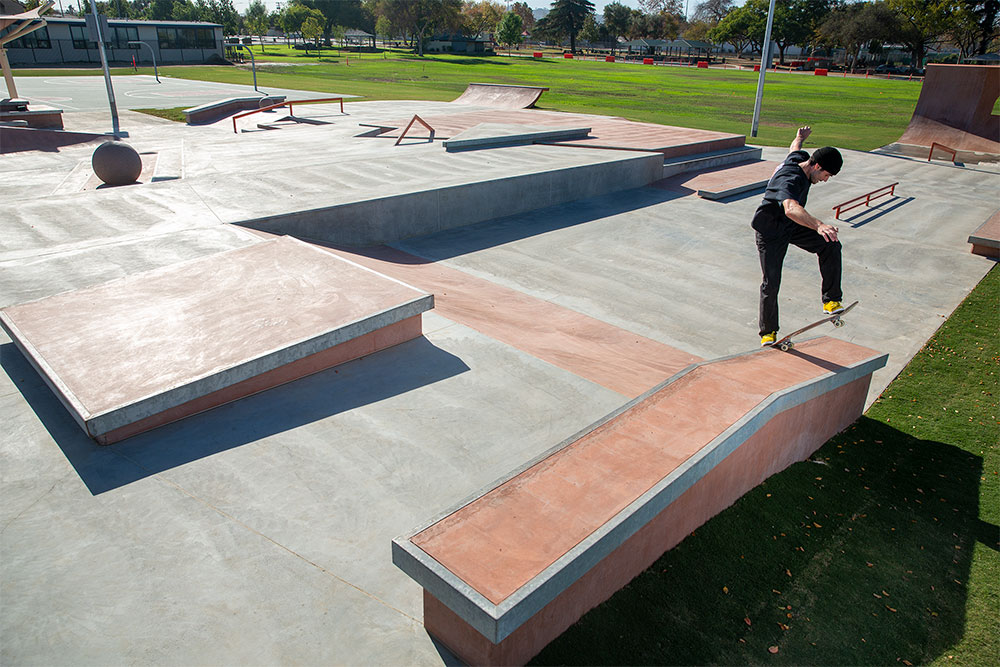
x=511, y=568
x=152, y=348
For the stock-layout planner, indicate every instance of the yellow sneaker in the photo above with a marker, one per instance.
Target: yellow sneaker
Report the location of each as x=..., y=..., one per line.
x=832, y=307
x=768, y=339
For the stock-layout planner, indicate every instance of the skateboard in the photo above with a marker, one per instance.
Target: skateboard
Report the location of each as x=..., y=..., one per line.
x=785, y=344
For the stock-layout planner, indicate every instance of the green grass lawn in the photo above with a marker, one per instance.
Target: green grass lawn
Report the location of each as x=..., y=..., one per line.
x=882, y=549
x=846, y=112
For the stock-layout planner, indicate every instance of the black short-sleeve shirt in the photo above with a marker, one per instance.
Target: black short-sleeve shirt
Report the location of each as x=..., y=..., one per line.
x=789, y=181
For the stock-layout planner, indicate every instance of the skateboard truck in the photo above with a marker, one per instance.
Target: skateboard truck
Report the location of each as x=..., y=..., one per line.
x=786, y=343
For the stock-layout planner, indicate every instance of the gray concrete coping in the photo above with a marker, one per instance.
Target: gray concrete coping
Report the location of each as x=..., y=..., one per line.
x=213, y=111
x=492, y=135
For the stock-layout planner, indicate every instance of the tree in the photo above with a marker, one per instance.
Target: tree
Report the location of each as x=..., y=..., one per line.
x=480, y=17
x=383, y=27
x=974, y=26
x=698, y=30
x=509, y=31
x=421, y=18
x=795, y=21
x=712, y=11
x=592, y=31
x=257, y=20
x=740, y=28
x=921, y=23
x=312, y=30
x=617, y=20
x=856, y=26
x=664, y=24
x=527, y=16
x=295, y=16
x=566, y=18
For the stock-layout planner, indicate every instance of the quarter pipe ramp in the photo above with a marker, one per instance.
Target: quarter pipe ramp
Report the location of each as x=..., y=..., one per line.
x=500, y=96
x=955, y=108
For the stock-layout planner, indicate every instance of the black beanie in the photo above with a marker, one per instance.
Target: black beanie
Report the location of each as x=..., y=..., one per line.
x=829, y=158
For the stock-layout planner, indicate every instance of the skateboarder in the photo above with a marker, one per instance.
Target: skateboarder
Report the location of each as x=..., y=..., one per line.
x=782, y=218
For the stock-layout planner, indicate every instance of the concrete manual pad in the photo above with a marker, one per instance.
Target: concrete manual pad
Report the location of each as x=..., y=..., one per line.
x=490, y=135
x=138, y=352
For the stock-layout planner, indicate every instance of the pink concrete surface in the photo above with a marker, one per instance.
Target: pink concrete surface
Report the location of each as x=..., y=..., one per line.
x=986, y=239
x=612, y=357
x=499, y=542
x=789, y=437
x=714, y=181
x=606, y=132
x=114, y=344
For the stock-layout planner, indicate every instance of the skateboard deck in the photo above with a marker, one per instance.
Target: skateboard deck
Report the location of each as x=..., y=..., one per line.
x=786, y=343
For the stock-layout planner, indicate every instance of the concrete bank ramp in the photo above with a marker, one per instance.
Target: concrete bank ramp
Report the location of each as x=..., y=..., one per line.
x=955, y=109
x=500, y=96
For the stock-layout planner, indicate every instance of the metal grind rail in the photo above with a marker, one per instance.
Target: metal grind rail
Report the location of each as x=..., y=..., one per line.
x=865, y=199
x=289, y=104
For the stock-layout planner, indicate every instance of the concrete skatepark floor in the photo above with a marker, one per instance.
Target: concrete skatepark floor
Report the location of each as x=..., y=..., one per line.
x=182, y=544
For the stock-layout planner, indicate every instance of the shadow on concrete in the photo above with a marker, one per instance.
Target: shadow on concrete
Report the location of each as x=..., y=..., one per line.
x=499, y=231
x=388, y=373
x=863, y=560
x=873, y=213
x=816, y=361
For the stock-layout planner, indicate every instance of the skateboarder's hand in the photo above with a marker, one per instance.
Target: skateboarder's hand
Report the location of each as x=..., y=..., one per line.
x=828, y=232
x=803, y=133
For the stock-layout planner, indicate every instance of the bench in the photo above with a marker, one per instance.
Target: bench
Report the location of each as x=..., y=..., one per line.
x=213, y=111
x=508, y=570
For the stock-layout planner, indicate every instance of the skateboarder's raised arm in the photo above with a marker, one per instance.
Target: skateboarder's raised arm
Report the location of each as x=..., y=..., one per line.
x=800, y=137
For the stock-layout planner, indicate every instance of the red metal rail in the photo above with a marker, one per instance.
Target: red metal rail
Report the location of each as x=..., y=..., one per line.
x=288, y=104
x=865, y=199
x=935, y=144
x=415, y=119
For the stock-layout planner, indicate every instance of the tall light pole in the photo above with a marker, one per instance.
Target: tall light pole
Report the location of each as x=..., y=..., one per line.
x=764, y=62
x=99, y=33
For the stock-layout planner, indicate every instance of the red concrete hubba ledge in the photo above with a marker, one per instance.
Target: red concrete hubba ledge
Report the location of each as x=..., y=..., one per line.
x=986, y=239
x=133, y=354
x=511, y=568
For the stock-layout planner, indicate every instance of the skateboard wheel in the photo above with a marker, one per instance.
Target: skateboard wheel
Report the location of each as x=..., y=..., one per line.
x=838, y=323
x=785, y=347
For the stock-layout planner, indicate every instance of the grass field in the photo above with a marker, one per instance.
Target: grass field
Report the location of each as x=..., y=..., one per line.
x=847, y=112
x=883, y=549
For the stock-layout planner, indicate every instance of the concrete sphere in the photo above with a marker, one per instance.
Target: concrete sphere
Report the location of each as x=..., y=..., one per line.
x=116, y=163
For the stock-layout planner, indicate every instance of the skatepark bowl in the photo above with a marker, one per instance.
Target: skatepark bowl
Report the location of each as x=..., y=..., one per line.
x=414, y=403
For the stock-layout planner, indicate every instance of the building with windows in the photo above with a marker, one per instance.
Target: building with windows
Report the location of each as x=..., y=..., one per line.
x=66, y=41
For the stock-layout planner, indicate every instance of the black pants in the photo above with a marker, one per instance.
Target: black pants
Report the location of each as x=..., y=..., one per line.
x=773, y=236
